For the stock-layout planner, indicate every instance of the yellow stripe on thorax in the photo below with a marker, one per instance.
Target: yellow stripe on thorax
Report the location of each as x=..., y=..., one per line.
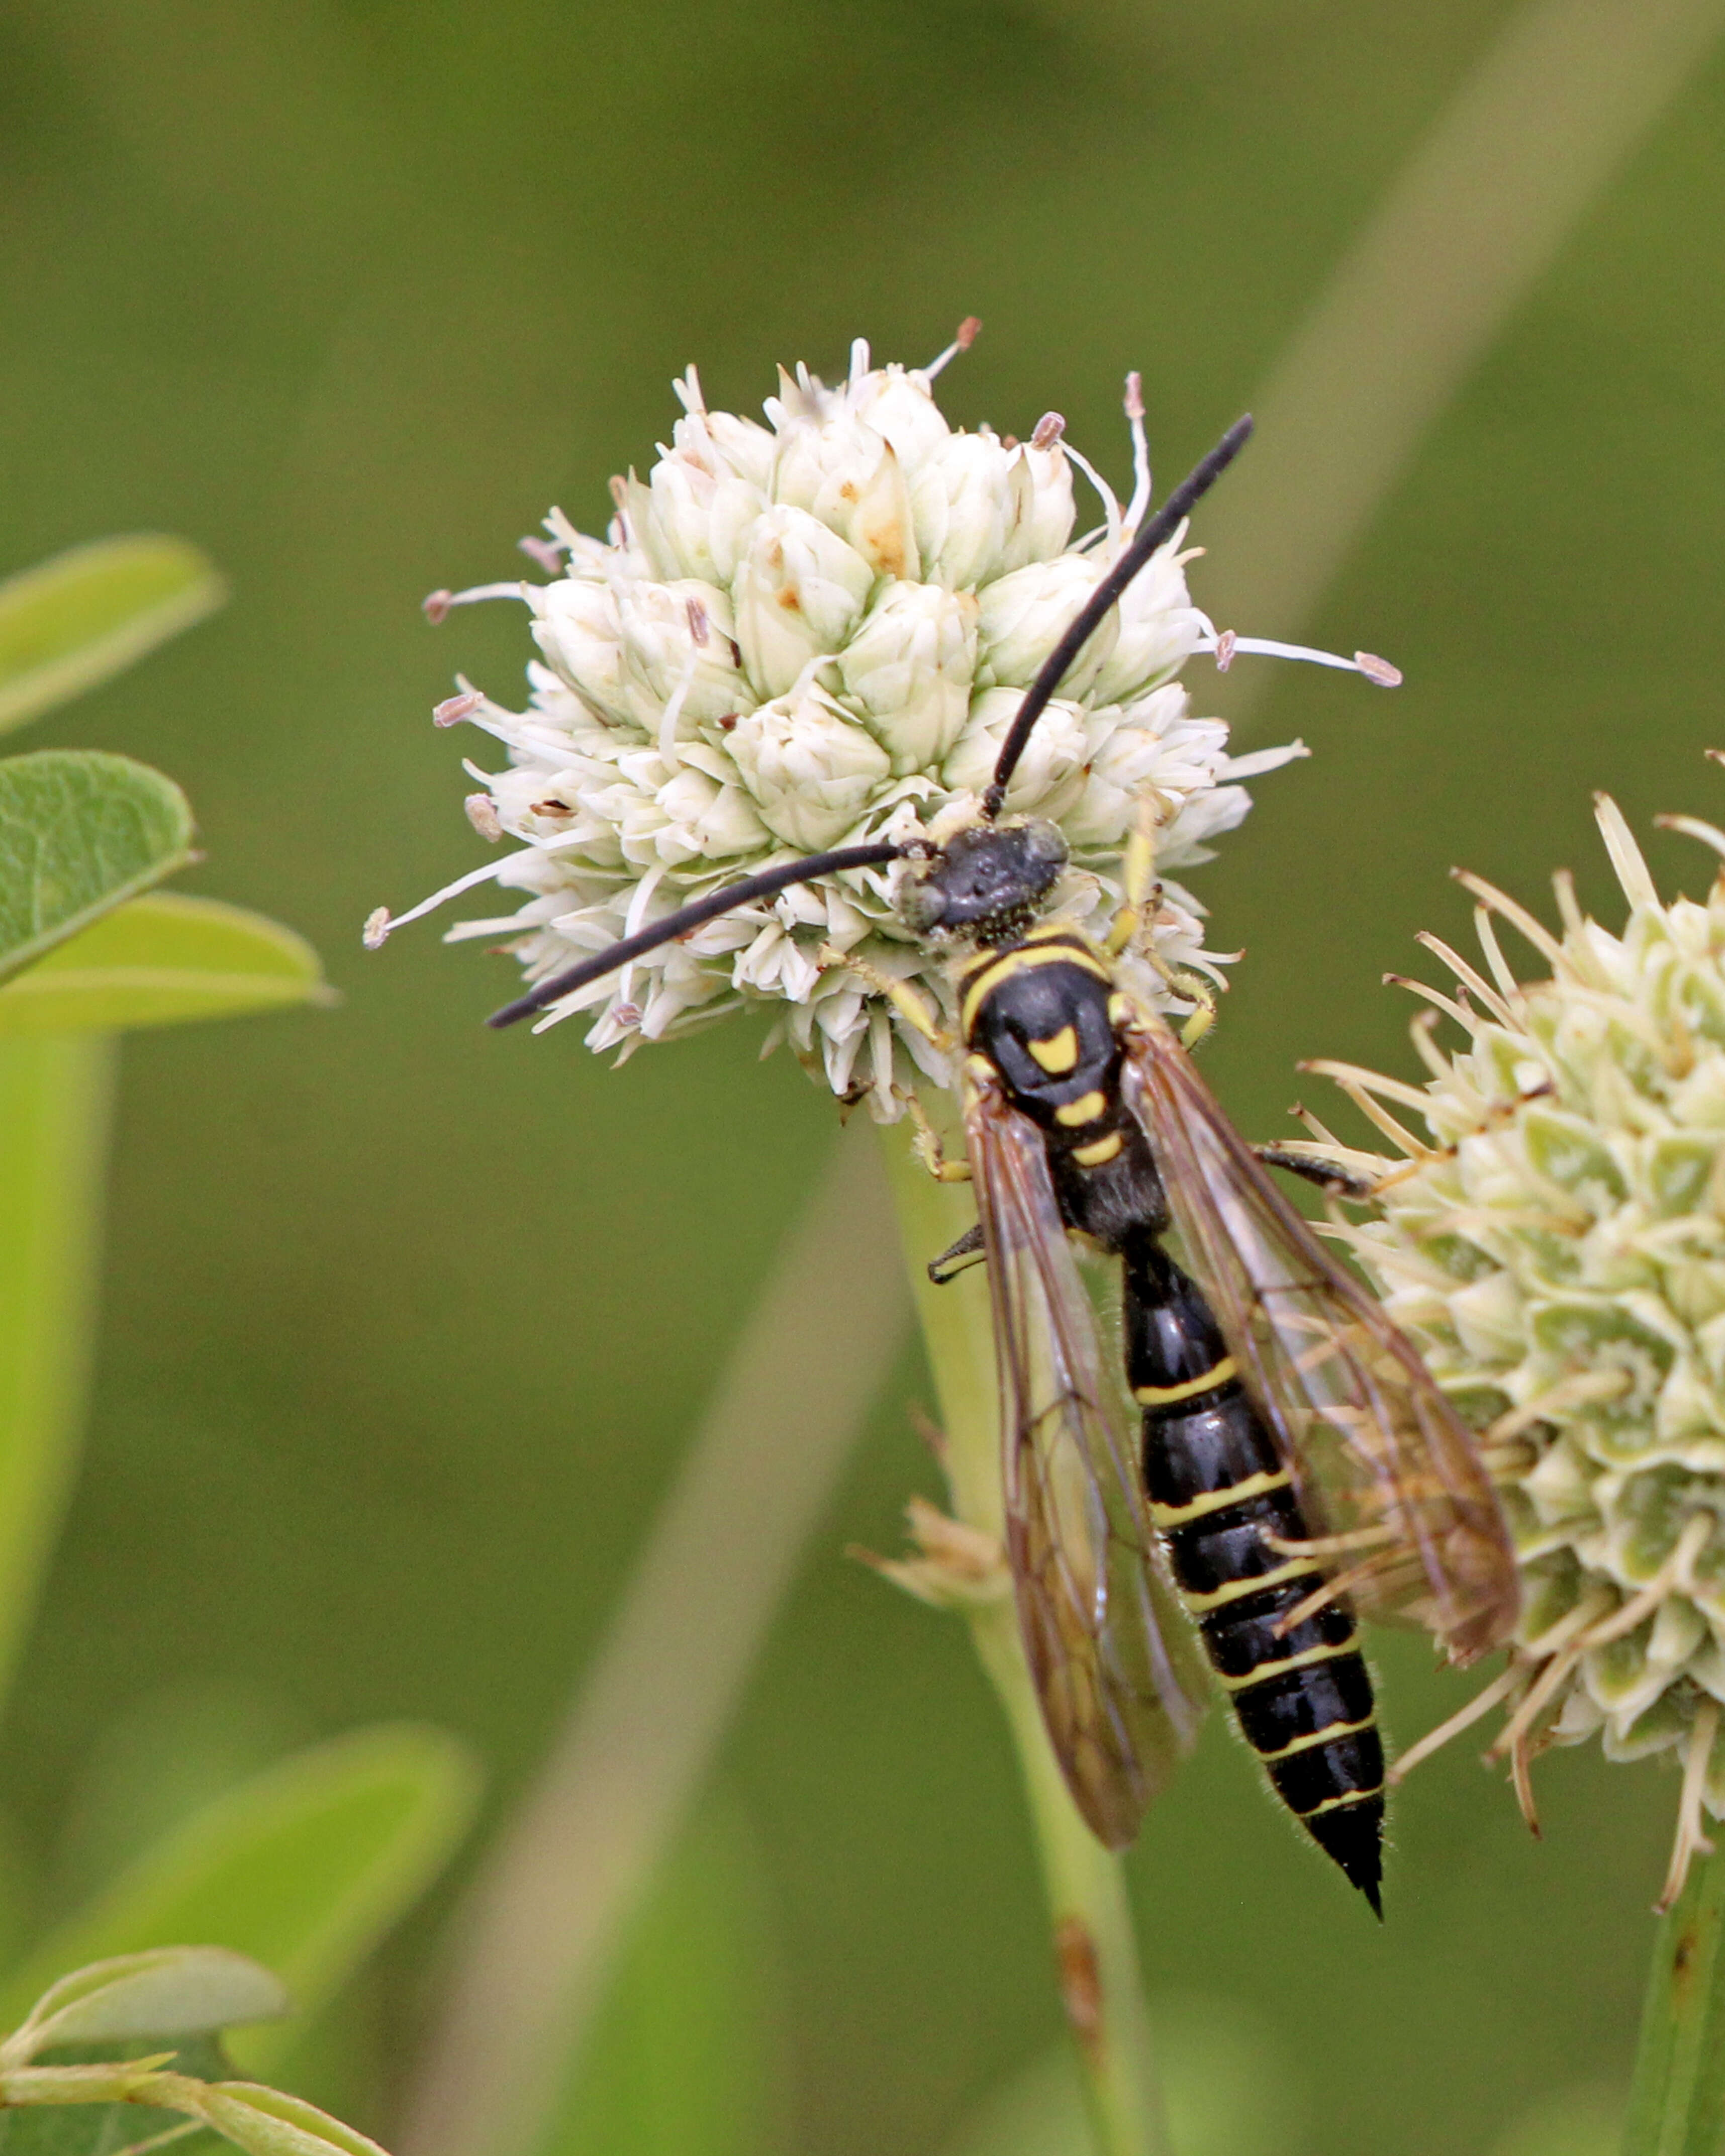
x=1162, y=1396
x=980, y=983
x=1237, y=1590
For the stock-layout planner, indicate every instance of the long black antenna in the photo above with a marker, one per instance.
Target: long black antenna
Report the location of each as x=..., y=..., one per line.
x=1156, y=533
x=674, y=924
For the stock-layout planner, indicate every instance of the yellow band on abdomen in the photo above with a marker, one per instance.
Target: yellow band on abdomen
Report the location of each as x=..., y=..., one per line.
x=1162, y=1396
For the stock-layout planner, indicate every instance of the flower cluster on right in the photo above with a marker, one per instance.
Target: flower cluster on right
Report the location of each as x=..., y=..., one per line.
x=1555, y=1245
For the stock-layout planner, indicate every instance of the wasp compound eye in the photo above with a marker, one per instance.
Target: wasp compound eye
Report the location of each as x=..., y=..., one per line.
x=986, y=878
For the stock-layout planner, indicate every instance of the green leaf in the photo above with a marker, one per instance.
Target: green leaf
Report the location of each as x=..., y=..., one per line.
x=161, y=960
x=169, y=1991
x=264, y=2122
x=54, y=1124
x=80, y=832
x=682, y=2058
x=71, y=622
x=303, y=1867
x=102, y=2129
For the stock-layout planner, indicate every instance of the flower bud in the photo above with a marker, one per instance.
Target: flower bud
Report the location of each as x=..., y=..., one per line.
x=961, y=496
x=908, y=670
x=900, y=407
x=1048, y=525
x=1024, y=615
x=724, y=443
x=799, y=593
x=708, y=819
x=1049, y=776
x=1158, y=629
x=843, y=474
x=811, y=770
x=575, y=626
x=677, y=641
x=692, y=520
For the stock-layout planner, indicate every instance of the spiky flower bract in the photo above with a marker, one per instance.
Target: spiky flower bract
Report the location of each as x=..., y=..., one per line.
x=816, y=634
x=1555, y=1245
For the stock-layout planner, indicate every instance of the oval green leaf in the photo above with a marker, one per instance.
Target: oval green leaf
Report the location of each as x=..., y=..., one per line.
x=266, y=2121
x=81, y=832
x=71, y=622
x=170, y=1991
x=303, y=1867
x=162, y=960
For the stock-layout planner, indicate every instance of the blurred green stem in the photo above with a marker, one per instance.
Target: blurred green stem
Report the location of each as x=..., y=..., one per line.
x=54, y=1092
x=1096, y=1952
x=1677, y=2098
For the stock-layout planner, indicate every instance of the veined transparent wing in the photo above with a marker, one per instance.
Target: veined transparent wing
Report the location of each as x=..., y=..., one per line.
x=1112, y=1654
x=1377, y=1453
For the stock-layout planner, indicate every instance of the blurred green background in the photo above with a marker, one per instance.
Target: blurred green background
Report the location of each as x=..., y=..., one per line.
x=406, y=1324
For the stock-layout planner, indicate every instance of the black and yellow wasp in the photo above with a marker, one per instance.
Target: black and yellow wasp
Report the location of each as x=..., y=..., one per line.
x=1296, y=1464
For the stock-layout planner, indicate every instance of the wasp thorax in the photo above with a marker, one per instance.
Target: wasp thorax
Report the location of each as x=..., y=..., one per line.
x=986, y=881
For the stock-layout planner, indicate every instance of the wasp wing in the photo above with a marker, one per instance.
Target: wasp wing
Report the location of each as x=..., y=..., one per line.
x=1110, y=1653
x=1377, y=1455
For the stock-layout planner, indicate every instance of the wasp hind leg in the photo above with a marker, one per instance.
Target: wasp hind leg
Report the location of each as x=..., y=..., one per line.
x=1330, y=1176
x=966, y=1252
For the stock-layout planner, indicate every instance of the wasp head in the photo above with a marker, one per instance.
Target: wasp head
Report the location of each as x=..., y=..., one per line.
x=986, y=882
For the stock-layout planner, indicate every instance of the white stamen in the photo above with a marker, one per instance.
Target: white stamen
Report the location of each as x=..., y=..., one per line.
x=1140, y=502
x=639, y=899
x=688, y=392
x=1048, y=429
x=673, y=710
x=962, y=342
x=1227, y=646
x=376, y=933
x=1261, y=759
x=1110, y=503
x=382, y=922
x=482, y=815
x=454, y=709
x=859, y=360
x=547, y=552
x=435, y=606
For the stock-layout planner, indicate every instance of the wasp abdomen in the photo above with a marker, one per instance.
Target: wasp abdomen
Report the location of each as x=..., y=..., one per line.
x=1232, y=1521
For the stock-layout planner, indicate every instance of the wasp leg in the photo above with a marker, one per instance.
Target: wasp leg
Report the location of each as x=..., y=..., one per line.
x=1197, y=992
x=1139, y=888
x=1334, y=1180
x=911, y=1007
x=929, y=1150
x=966, y=1252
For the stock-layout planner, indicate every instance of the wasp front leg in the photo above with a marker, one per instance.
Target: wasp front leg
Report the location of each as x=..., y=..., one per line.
x=1139, y=890
x=913, y=1008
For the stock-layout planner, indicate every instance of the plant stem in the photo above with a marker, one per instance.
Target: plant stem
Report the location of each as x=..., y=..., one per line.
x=1096, y=1952
x=54, y=1091
x=1677, y=2098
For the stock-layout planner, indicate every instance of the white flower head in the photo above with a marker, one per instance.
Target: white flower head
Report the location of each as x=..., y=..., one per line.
x=1555, y=1246
x=814, y=635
